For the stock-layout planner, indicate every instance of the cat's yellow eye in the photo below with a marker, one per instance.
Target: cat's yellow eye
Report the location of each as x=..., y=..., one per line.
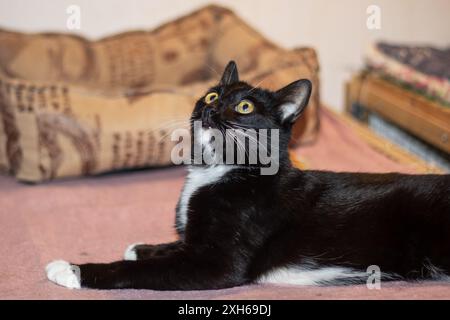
x=245, y=107
x=211, y=97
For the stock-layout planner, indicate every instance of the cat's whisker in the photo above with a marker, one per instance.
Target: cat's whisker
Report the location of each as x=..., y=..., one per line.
x=273, y=149
x=212, y=69
x=169, y=127
x=238, y=143
x=257, y=85
x=163, y=125
x=238, y=124
x=251, y=138
x=170, y=130
x=170, y=124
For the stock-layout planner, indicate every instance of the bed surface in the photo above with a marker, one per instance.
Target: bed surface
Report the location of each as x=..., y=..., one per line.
x=94, y=219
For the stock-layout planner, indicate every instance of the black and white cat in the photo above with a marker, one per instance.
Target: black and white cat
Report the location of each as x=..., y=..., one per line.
x=237, y=226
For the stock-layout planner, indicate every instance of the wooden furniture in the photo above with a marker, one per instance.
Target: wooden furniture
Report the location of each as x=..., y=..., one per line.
x=384, y=146
x=408, y=110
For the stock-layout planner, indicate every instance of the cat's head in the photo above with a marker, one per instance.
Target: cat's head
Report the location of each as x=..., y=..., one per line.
x=233, y=104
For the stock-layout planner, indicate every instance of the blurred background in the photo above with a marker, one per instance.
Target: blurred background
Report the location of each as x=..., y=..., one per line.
x=73, y=110
x=336, y=29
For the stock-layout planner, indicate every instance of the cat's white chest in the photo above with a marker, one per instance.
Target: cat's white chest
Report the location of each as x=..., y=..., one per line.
x=197, y=178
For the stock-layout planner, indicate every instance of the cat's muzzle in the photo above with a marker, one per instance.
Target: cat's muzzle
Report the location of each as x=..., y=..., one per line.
x=208, y=116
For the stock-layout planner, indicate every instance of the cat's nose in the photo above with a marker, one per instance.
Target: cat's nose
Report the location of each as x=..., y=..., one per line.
x=207, y=112
x=207, y=117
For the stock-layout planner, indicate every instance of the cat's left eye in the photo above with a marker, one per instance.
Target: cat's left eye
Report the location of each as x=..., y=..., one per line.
x=245, y=107
x=211, y=97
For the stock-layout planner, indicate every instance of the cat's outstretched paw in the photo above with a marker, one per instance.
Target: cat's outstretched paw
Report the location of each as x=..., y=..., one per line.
x=130, y=253
x=63, y=273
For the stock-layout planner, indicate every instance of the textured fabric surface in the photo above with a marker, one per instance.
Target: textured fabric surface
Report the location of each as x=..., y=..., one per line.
x=428, y=60
x=96, y=106
x=422, y=69
x=94, y=219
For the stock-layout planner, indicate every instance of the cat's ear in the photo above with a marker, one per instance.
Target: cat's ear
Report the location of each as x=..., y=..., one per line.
x=230, y=75
x=293, y=99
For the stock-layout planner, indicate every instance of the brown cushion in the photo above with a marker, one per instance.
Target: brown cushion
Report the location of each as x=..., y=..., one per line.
x=70, y=106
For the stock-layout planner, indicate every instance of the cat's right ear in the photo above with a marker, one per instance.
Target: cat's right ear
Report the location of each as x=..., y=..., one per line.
x=230, y=75
x=293, y=99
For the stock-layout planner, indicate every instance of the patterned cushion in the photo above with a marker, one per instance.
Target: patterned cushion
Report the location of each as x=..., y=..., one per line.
x=70, y=106
x=425, y=70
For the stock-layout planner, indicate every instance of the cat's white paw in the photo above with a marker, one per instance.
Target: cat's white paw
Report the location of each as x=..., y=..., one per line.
x=130, y=252
x=63, y=273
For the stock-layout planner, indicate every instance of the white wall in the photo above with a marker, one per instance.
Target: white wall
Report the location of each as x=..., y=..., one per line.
x=336, y=28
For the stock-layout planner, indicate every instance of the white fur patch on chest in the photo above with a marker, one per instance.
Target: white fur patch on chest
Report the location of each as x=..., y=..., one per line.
x=302, y=275
x=197, y=178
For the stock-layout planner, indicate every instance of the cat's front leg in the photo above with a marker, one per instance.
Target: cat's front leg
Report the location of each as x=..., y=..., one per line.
x=140, y=251
x=180, y=270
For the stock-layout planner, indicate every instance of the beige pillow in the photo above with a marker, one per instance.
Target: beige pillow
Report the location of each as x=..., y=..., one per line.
x=69, y=106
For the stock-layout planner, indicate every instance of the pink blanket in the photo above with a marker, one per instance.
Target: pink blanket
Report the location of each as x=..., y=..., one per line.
x=94, y=219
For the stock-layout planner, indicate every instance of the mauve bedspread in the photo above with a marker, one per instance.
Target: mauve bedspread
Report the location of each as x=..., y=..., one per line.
x=94, y=219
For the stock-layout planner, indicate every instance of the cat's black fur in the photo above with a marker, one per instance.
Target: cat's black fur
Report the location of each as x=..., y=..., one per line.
x=246, y=225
